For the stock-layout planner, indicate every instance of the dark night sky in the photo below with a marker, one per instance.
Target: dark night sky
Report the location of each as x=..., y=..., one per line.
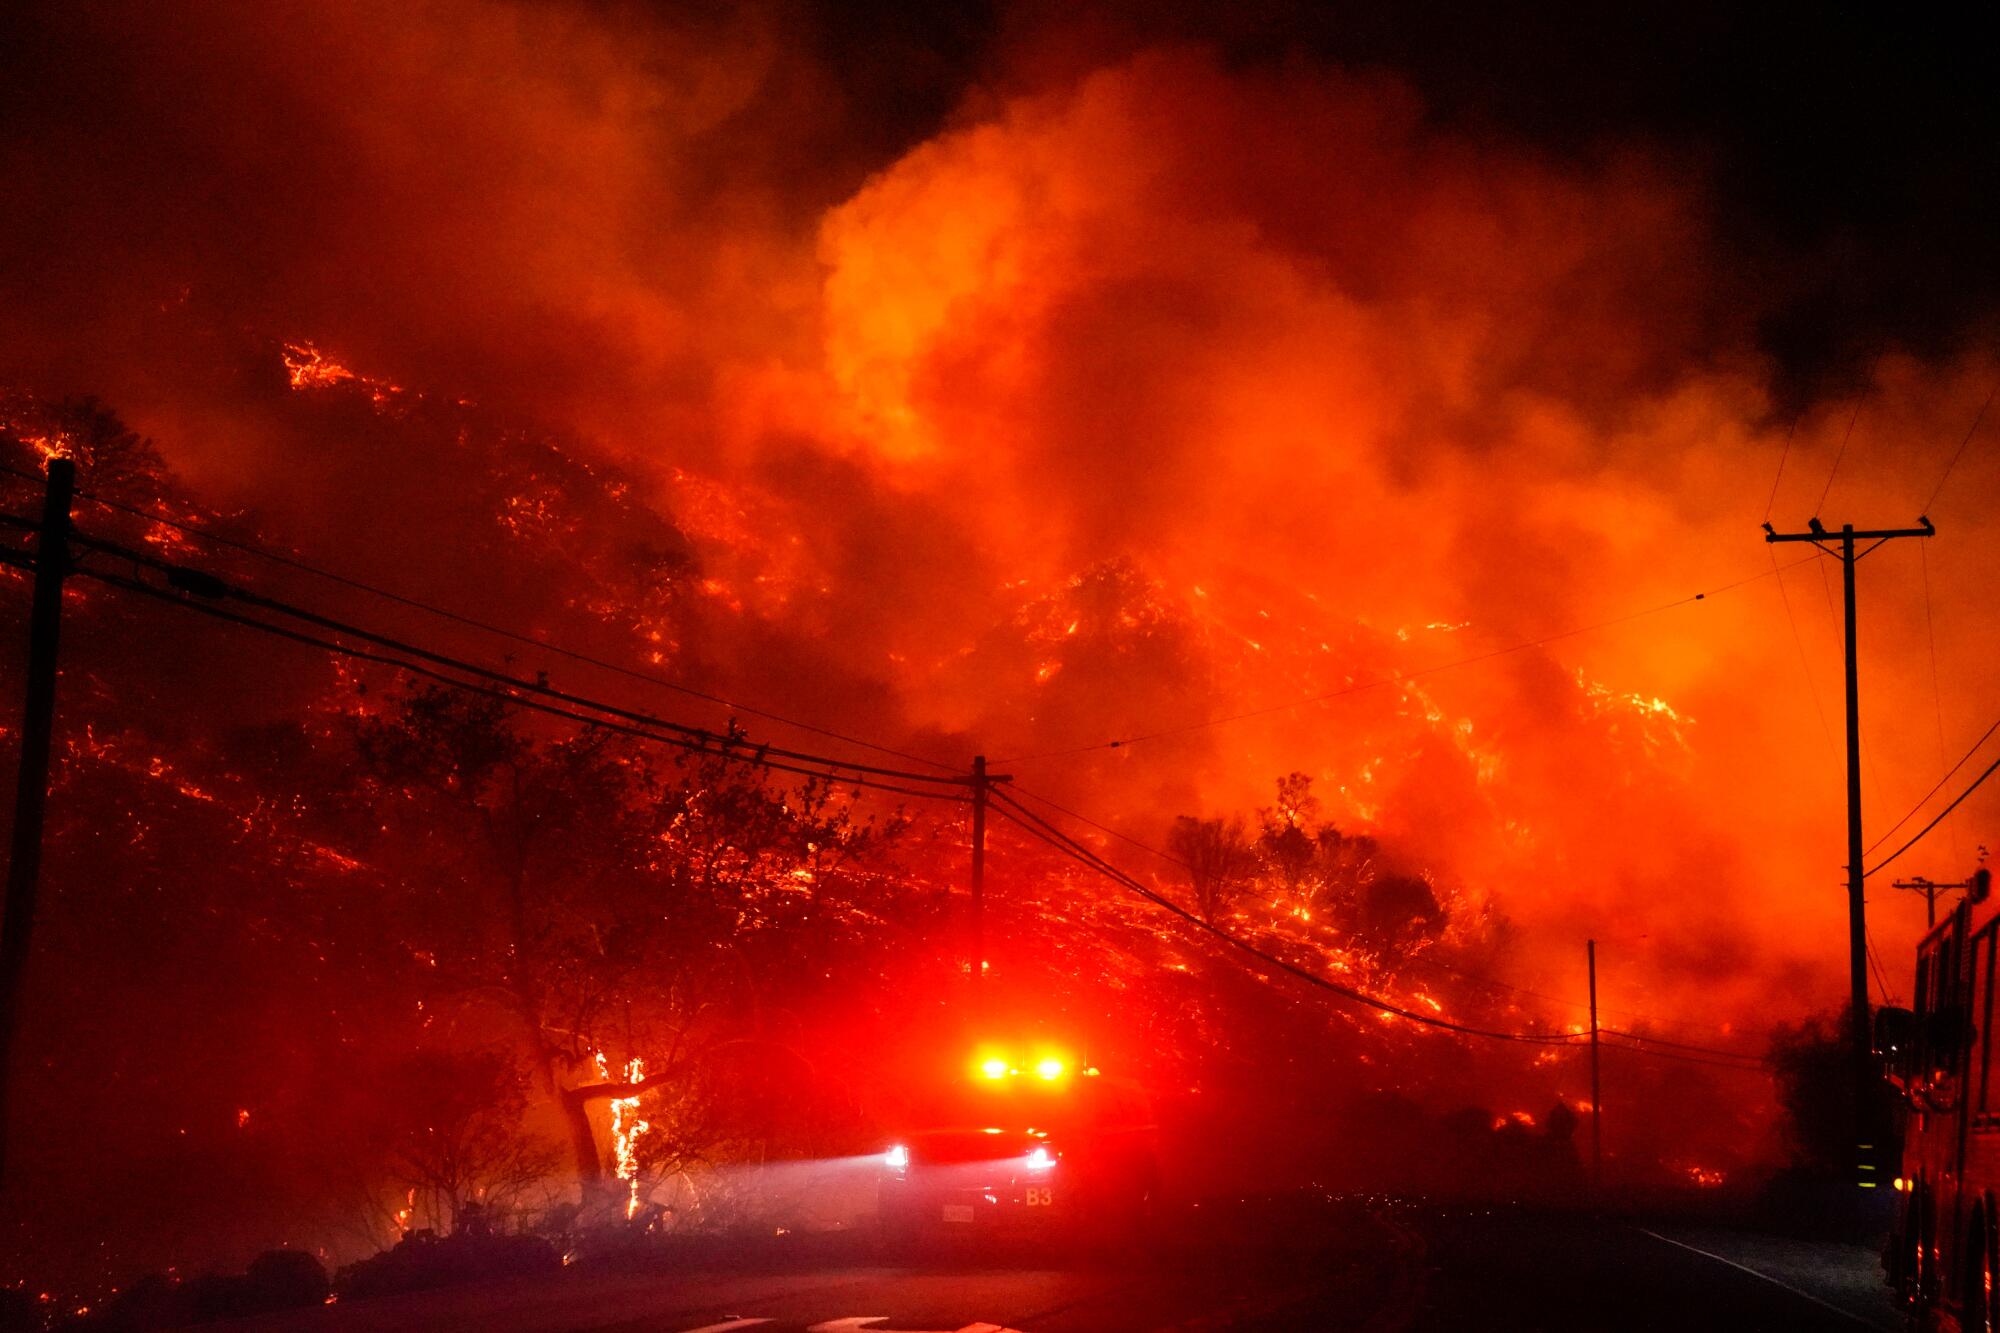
x=1852, y=151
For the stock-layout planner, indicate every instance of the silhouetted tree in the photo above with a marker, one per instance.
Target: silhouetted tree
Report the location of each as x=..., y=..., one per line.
x=1286, y=839
x=1394, y=908
x=451, y=1132
x=1815, y=1075
x=606, y=898
x=1218, y=858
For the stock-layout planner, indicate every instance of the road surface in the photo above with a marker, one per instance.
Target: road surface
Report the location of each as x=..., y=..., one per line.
x=1511, y=1271
x=1368, y=1266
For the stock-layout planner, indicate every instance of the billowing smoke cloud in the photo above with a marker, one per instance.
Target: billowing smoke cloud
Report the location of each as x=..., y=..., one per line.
x=1160, y=391
x=1312, y=366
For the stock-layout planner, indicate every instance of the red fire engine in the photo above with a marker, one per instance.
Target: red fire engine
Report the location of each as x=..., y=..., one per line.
x=1942, y=1257
x=1030, y=1140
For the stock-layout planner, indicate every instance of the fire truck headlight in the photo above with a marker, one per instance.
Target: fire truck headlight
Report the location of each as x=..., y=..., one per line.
x=897, y=1158
x=1040, y=1159
x=994, y=1068
x=1050, y=1069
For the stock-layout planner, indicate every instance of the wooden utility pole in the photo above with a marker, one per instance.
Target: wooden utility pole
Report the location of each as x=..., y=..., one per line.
x=982, y=784
x=1596, y=1091
x=978, y=871
x=31, y=793
x=1861, y=1035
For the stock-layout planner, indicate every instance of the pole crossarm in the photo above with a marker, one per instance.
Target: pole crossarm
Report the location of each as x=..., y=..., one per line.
x=1930, y=889
x=1817, y=532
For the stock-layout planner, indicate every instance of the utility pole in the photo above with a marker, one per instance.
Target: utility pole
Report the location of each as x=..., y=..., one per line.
x=31, y=793
x=1841, y=545
x=1596, y=1094
x=1930, y=891
x=978, y=872
x=982, y=790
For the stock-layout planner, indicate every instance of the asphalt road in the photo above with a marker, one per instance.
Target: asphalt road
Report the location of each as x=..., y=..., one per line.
x=1368, y=1266
x=1500, y=1270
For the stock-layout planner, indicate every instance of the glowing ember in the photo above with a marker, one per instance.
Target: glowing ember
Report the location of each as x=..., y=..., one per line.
x=312, y=369
x=309, y=368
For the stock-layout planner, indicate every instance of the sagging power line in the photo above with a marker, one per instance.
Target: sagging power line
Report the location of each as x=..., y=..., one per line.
x=1919, y=836
x=198, y=589
x=1045, y=832
x=1054, y=837
x=1924, y=800
x=1418, y=961
x=445, y=613
x=1959, y=452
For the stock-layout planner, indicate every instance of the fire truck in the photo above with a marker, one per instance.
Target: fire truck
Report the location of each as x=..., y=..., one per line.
x=1942, y=1258
x=1030, y=1140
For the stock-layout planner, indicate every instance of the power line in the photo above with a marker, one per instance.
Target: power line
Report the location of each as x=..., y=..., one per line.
x=1935, y=822
x=1875, y=966
x=1151, y=850
x=1938, y=489
x=1798, y=641
x=1681, y=1045
x=1687, y=1059
x=1477, y=978
x=184, y=579
x=1930, y=634
x=1061, y=841
x=1055, y=838
x=1789, y=435
x=743, y=752
x=738, y=751
x=200, y=582
x=1746, y=1063
x=1419, y=961
x=429, y=608
x=1842, y=451
x=1924, y=800
x=1148, y=848
x=1400, y=677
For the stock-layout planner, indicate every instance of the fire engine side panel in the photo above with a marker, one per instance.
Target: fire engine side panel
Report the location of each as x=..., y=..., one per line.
x=1951, y=1154
x=1931, y=1149
x=1978, y=1119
